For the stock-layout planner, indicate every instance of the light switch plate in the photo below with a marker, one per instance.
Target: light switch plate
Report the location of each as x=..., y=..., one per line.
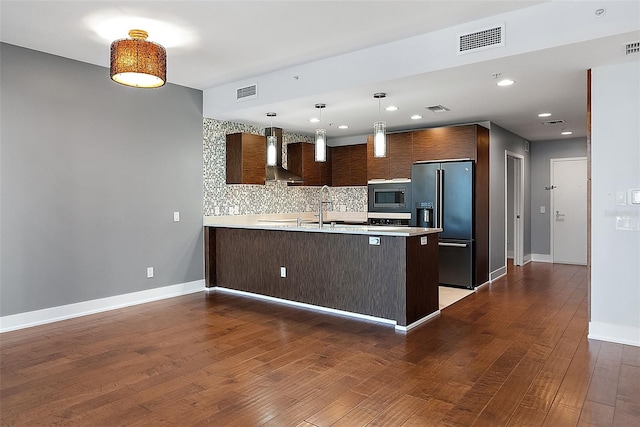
x=543, y=209
x=423, y=240
x=374, y=240
x=176, y=216
x=283, y=271
x=149, y=272
x=634, y=196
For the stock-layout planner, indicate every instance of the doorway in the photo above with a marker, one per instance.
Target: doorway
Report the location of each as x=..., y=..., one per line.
x=569, y=210
x=514, y=207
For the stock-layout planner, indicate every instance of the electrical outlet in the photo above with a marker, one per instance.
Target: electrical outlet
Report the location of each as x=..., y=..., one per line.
x=283, y=271
x=543, y=209
x=176, y=216
x=149, y=272
x=374, y=240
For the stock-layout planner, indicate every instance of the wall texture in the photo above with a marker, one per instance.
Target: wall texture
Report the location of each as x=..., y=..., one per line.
x=541, y=154
x=502, y=140
x=615, y=223
x=238, y=199
x=91, y=173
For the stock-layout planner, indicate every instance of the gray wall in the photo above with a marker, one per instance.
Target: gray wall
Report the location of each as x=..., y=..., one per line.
x=502, y=140
x=91, y=173
x=541, y=154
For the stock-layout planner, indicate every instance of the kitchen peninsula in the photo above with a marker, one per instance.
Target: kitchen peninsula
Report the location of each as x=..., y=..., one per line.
x=386, y=273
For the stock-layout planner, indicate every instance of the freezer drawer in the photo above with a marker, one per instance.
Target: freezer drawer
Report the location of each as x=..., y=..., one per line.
x=456, y=263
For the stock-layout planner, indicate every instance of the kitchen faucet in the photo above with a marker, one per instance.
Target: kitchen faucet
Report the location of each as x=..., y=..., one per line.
x=323, y=202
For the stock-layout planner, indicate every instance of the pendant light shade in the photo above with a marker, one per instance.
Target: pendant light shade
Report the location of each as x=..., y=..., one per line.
x=379, y=139
x=379, y=131
x=321, y=139
x=137, y=62
x=272, y=144
x=321, y=145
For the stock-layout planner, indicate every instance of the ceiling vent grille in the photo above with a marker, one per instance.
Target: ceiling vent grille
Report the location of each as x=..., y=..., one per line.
x=631, y=48
x=249, y=92
x=481, y=40
x=438, y=109
x=553, y=122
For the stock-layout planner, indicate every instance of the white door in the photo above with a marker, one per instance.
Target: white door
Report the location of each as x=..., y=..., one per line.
x=569, y=211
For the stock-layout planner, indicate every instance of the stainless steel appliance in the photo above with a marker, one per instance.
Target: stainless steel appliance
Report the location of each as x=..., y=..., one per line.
x=443, y=197
x=389, y=202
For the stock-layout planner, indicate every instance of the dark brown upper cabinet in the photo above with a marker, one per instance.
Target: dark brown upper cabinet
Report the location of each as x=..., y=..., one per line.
x=349, y=165
x=246, y=157
x=301, y=161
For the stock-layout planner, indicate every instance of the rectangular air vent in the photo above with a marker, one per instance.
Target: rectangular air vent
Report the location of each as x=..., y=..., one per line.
x=438, y=109
x=481, y=39
x=553, y=122
x=249, y=92
x=631, y=48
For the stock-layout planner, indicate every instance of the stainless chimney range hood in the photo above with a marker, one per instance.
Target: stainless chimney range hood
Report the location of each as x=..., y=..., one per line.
x=277, y=173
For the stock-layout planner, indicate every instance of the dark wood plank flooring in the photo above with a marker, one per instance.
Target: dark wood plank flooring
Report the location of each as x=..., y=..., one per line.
x=514, y=353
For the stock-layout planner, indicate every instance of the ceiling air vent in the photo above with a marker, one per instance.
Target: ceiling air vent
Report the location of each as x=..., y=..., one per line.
x=553, y=122
x=480, y=40
x=438, y=109
x=249, y=92
x=631, y=48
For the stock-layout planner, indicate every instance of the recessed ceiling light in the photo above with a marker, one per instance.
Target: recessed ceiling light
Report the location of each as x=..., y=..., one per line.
x=544, y=115
x=314, y=120
x=343, y=127
x=567, y=132
x=391, y=108
x=505, y=82
x=416, y=117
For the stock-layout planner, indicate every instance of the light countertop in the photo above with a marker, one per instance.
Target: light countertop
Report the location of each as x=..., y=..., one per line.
x=307, y=223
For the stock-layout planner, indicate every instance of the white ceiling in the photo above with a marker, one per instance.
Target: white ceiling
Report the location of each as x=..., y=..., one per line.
x=217, y=45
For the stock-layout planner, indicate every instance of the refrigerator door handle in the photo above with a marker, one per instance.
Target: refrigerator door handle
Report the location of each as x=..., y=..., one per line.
x=440, y=196
x=453, y=245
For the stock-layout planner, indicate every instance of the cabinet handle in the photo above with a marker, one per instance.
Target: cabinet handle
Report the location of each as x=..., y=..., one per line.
x=453, y=245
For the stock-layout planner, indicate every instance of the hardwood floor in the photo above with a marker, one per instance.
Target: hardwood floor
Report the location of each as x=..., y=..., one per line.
x=514, y=353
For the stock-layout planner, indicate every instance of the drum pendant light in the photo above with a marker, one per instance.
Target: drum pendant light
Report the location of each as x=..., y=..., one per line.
x=272, y=144
x=137, y=62
x=321, y=139
x=379, y=132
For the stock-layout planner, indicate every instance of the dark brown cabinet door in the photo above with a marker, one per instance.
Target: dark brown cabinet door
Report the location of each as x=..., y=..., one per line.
x=400, y=151
x=377, y=167
x=246, y=156
x=301, y=161
x=340, y=166
x=454, y=142
x=358, y=159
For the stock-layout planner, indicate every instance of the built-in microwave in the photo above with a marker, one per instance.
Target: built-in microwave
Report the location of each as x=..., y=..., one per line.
x=393, y=196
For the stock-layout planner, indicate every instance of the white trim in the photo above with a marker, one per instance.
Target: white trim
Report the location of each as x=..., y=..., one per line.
x=325, y=309
x=621, y=334
x=518, y=208
x=487, y=283
x=84, y=308
x=417, y=322
x=527, y=259
x=542, y=258
x=498, y=273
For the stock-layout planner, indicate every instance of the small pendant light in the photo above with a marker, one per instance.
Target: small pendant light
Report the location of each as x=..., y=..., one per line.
x=321, y=139
x=379, y=132
x=137, y=62
x=272, y=144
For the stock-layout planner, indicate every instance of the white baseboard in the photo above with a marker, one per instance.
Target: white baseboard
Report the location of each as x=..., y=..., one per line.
x=620, y=334
x=527, y=259
x=69, y=311
x=498, y=273
x=541, y=258
x=509, y=254
x=320, y=308
x=417, y=322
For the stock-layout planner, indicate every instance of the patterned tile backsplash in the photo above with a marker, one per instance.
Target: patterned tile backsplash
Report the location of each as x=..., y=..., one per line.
x=236, y=199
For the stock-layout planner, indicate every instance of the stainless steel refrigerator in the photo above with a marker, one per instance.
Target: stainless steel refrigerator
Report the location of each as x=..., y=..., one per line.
x=443, y=197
